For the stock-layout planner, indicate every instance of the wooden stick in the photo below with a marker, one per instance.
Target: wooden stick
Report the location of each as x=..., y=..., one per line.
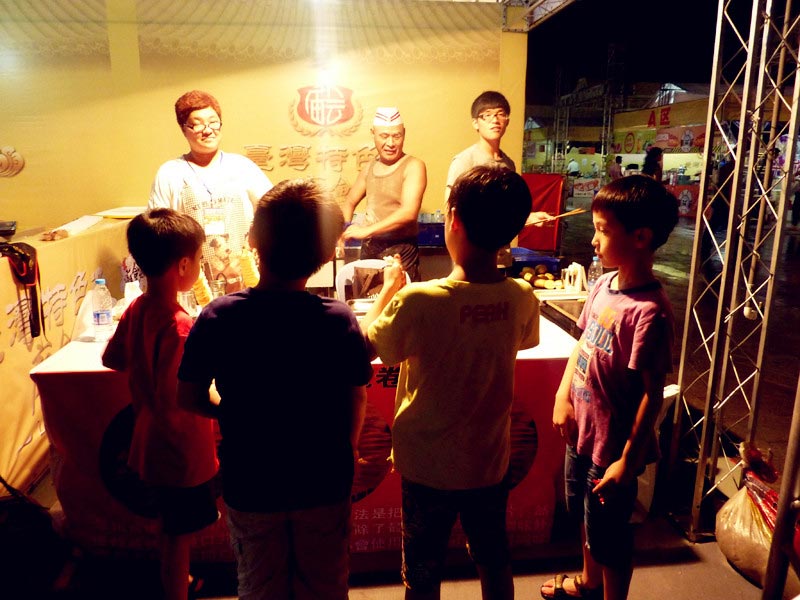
x=575, y=211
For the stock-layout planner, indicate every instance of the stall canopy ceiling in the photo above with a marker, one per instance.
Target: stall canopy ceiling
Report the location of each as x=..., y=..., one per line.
x=264, y=29
x=257, y=29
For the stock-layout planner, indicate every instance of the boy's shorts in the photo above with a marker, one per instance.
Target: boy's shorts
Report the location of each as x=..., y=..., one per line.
x=186, y=510
x=428, y=518
x=609, y=535
x=301, y=554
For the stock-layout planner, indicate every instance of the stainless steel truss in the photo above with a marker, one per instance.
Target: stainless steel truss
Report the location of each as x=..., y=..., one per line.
x=754, y=85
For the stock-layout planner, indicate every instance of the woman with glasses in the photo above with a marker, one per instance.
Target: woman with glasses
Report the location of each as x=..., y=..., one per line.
x=219, y=189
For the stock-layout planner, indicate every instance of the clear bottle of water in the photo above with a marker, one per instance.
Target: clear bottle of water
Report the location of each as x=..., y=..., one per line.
x=102, y=303
x=594, y=272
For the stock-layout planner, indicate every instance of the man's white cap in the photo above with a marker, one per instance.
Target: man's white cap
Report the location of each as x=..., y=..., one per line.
x=386, y=116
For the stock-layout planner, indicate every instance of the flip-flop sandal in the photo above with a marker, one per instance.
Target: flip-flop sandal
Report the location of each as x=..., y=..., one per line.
x=583, y=592
x=595, y=593
x=558, y=588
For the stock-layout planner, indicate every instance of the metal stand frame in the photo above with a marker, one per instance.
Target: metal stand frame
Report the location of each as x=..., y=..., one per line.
x=725, y=330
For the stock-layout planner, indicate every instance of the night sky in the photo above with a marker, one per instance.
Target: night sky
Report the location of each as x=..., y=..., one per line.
x=667, y=41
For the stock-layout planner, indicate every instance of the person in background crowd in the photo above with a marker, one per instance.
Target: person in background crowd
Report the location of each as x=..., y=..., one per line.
x=612, y=389
x=491, y=113
x=218, y=189
x=615, y=170
x=292, y=403
x=654, y=163
x=393, y=185
x=457, y=407
x=573, y=168
x=171, y=449
x=717, y=212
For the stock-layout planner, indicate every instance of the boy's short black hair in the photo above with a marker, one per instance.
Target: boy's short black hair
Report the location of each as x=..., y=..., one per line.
x=487, y=100
x=640, y=201
x=493, y=203
x=296, y=228
x=160, y=237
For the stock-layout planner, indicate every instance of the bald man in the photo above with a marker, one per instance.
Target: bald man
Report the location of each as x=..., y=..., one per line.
x=393, y=184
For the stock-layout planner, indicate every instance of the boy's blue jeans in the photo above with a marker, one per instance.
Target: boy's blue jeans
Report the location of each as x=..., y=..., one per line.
x=301, y=554
x=609, y=535
x=428, y=518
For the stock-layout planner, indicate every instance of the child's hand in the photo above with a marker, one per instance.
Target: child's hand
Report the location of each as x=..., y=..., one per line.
x=394, y=277
x=564, y=421
x=616, y=474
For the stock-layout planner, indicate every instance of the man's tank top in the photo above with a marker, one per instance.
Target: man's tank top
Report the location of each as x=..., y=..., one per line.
x=383, y=199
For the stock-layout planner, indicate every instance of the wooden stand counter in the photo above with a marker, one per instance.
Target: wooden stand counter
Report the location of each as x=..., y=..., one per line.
x=67, y=268
x=87, y=413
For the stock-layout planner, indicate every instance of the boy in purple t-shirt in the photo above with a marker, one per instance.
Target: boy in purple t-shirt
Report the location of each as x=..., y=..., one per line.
x=612, y=389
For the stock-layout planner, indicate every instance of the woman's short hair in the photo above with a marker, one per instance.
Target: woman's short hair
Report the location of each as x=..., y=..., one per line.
x=651, y=166
x=192, y=101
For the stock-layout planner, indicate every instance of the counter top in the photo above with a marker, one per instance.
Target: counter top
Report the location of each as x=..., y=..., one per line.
x=86, y=357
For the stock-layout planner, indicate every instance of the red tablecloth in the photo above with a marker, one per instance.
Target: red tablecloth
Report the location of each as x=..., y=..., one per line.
x=87, y=413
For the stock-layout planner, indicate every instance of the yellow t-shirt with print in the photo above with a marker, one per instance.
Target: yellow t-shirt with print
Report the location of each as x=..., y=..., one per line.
x=457, y=343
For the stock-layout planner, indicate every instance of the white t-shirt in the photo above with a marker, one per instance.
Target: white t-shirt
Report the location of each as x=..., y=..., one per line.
x=221, y=197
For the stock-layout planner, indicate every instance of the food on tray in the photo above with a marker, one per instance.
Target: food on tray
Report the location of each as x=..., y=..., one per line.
x=202, y=292
x=541, y=278
x=250, y=274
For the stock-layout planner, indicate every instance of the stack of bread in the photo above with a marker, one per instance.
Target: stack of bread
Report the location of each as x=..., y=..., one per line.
x=540, y=277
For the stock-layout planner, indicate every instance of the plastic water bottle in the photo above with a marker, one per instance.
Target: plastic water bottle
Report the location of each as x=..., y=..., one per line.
x=102, y=303
x=594, y=272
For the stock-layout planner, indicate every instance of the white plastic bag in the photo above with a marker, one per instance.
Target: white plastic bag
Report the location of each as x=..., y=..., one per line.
x=744, y=537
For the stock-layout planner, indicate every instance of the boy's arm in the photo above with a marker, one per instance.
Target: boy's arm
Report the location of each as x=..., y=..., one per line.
x=635, y=450
x=394, y=278
x=195, y=397
x=359, y=408
x=563, y=411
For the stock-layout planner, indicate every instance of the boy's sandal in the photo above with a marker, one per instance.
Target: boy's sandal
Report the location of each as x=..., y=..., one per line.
x=595, y=593
x=195, y=585
x=583, y=592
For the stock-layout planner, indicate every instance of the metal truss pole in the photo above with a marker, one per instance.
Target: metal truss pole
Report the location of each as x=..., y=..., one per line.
x=724, y=336
x=560, y=131
x=781, y=552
